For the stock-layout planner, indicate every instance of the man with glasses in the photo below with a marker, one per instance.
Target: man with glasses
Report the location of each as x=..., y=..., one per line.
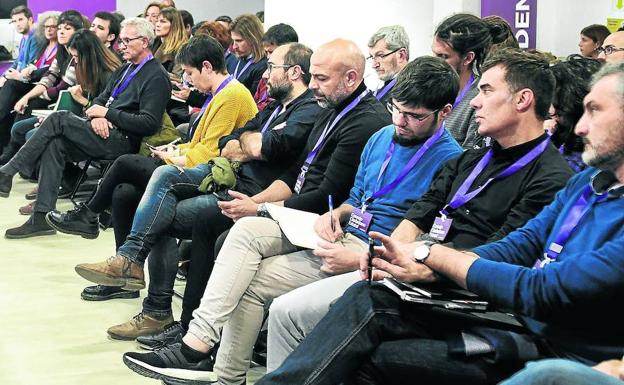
x=257, y=262
x=130, y=108
x=388, y=54
x=612, y=50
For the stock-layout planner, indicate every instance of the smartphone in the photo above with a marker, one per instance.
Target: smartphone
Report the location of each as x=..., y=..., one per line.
x=223, y=195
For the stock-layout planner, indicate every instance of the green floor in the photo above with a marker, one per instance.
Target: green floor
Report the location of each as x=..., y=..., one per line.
x=48, y=335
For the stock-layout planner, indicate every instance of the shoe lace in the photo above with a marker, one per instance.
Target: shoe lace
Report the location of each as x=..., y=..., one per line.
x=71, y=214
x=138, y=318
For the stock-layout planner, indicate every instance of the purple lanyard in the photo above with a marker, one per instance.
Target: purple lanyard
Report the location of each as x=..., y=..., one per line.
x=464, y=91
x=462, y=196
x=273, y=115
x=48, y=54
x=329, y=127
x=580, y=208
x=381, y=93
x=124, y=82
x=236, y=73
x=408, y=167
x=205, y=106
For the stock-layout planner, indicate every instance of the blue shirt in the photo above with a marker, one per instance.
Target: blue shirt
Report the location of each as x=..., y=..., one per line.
x=388, y=210
x=574, y=302
x=29, y=47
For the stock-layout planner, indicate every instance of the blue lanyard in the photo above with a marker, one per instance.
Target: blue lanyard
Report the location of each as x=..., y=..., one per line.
x=205, y=106
x=382, y=92
x=273, y=115
x=236, y=73
x=123, y=83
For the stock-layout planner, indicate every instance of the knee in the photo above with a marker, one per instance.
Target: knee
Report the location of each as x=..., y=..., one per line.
x=125, y=192
x=552, y=371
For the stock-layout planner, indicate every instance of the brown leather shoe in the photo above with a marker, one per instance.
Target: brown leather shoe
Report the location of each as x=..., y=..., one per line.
x=26, y=209
x=32, y=194
x=115, y=271
x=140, y=325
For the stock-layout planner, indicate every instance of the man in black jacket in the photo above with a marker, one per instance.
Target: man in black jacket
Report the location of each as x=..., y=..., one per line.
x=130, y=108
x=327, y=166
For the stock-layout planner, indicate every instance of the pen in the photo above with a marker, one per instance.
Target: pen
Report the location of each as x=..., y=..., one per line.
x=371, y=250
x=330, y=203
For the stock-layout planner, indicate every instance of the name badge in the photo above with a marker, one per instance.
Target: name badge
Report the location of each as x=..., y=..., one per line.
x=109, y=102
x=300, y=179
x=361, y=220
x=440, y=228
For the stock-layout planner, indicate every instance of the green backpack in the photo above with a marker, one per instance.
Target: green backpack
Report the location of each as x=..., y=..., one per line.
x=166, y=134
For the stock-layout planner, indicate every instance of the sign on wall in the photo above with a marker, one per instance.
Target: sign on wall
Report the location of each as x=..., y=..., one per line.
x=520, y=14
x=87, y=8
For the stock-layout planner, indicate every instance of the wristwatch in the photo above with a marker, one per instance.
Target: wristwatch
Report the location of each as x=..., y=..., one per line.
x=421, y=253
x=262, y=211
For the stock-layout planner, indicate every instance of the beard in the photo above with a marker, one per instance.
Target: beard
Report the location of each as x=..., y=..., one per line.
x=279, y=92
x=333, y=100
x=609, y=160
x=410, y=141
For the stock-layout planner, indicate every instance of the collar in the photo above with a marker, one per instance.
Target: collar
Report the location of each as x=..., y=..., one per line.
x=351, y=97
x=602, y=182
x=518, y=150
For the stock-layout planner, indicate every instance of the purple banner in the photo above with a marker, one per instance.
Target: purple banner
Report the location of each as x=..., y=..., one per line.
x=520, y=14
x=87, y=8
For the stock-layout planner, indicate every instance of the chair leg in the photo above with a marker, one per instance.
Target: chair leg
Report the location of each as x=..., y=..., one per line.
x=72, y=197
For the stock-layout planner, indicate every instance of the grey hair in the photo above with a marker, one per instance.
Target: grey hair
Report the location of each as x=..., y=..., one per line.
x=394, y=36
x=611, y=69
x=41, y=20
x=143, y=27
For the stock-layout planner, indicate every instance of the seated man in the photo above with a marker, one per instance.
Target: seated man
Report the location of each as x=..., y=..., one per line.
x=29, y=46
x=131, y=107
x=327, y=166
x=266, y=144
x=388, y=50
x=561, y=274
x=506, y=204
x=106, y=27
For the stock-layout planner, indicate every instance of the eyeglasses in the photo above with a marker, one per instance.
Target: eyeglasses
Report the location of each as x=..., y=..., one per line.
x=270, y=66
x=379, y=56
x=127, y=40
x=608, y=50
x=410, y=117
x=50, y=26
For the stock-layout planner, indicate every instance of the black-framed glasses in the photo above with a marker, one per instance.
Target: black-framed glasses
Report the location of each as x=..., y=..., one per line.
x=270, y=66
x=379, y=56
x=410, y=117
x=127, y=40
x=608, y=50
x=52, y=26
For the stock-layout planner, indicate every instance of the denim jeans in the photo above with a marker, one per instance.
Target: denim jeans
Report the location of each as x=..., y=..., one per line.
x=23, y=130
x=157, y=209
x=560, y=372
x=370, y=336
x=163, y=258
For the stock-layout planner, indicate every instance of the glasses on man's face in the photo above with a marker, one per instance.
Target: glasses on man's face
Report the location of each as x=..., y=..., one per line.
x=608, y=50
x=380, y=56
x=409, y=117
x=127, y=40
x=270, y=66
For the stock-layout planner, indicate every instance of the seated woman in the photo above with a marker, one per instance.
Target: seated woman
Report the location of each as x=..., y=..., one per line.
x=94, y=65
x=573, y=77
x=591, y=39
x=247, y=32
x=152, y=11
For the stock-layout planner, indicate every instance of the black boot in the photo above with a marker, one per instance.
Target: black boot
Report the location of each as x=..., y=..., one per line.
x=102, y=293
x=6, y=182
x=79, y=221
x=34, y=226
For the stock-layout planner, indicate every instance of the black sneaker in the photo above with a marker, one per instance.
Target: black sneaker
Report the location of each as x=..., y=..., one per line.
x=170, y=363
x=6, y=182
x=172, y=333
x=102, y=293
x=34, y=226
x=79, y=221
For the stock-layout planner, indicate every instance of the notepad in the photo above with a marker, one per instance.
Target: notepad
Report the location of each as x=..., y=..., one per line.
x=297, y=225
x=65, y=102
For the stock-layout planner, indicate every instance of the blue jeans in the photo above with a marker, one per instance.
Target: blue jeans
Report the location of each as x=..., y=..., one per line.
x=23, y=130
x=560, y=372
x=163, y=258
x=370, y=336
x=157, y=209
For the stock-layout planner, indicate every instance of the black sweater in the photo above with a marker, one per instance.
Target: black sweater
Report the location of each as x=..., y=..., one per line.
x=333, y=170
x=139, y=109
x=504, y=205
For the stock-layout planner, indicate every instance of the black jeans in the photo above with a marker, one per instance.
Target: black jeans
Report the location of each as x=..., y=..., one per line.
x=63, y=137
x=121, y=188
x=370, y=336
x=10, y=93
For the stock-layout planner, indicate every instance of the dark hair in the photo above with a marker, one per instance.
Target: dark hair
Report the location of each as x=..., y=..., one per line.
x=299, y=54
x=572, y=79
x=200, y=49
x=526, y=70
x=96, y=62
x=502, y=34
x=114, y=25
x=260, y=15
x=465, y=33
x=22, y=9
x=427, y=82
x=72, y=18
x=596, y=32
x=280, y=34
x=216, y=30
x=187, y=18
x=224, y=18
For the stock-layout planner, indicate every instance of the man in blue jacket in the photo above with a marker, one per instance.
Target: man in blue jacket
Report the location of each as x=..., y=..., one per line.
x=562, y=274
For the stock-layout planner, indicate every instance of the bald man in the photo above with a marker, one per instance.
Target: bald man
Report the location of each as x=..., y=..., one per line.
x=257, y=263
x=612, y=50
